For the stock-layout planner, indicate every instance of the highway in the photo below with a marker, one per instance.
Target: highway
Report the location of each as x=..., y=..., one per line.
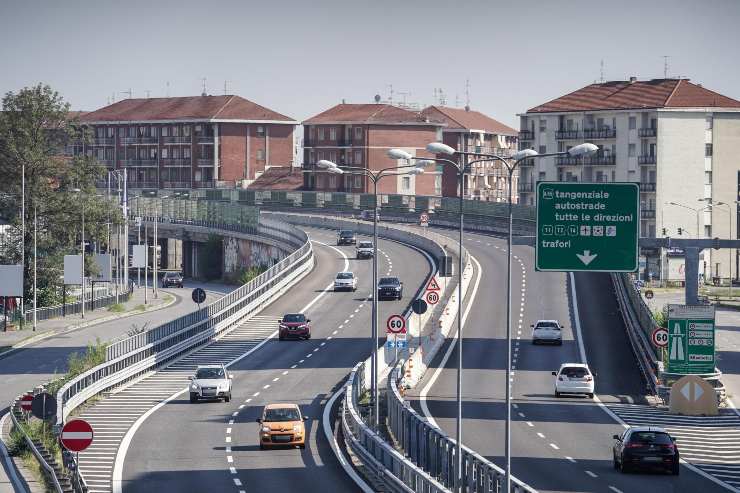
x=558, y=444
x=213, y=446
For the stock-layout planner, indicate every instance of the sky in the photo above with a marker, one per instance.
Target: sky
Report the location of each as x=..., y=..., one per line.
x=302, y=57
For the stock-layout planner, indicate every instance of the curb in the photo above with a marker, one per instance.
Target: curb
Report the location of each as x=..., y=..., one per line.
x=52, y=333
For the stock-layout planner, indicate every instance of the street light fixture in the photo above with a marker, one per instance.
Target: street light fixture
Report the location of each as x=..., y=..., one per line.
x=584, y=149
x=374, y=176
x=729, y=232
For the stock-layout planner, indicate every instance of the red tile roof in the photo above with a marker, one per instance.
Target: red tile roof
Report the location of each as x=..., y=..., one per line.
x=467, y=119
x=656, y=93
x=368, y=114
x=279, y=178
x=186, y=108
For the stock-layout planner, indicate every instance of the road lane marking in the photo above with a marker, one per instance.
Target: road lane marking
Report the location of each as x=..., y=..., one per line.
x=615, y=490
x=232, y=470
x=229, y=459
x=592, y=474
x=529, y=423
x=237, y=482
x=267, y=386
x=285, y=372
x=554, y=446
x=570, y=459
x=276, y=379
x=228, y=439
x=540, y=435
x=228, y=431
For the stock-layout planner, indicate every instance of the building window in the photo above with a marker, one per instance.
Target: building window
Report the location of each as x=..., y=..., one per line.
x=152, y=131
x=165, y=131
x=260, y=155
x=175, y=153
x=633, y=122
x=165, y=153
x=406, y=183
x=175, y=131
x=121, y=131
x=260, y=131
x=543, y=125
x=710, y=123
x=332, y=181
x=321, y=134
x=543, y=149
x=186, y=130
x=333, y=156
x=358, y=181
x=152, y=153
x=358, y=132
x=311, y=157
x=333, y=133
x=186, y=152
x=358, y=157
x=631, y=150
x=708, y=150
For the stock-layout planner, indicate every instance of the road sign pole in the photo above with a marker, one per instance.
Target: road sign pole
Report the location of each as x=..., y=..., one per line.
x=507, y=435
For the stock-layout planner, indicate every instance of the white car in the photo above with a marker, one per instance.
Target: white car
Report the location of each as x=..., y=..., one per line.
x=210, y=382
x=345, y=281
x=574, y=378
x=364, y=249
x=547, y=331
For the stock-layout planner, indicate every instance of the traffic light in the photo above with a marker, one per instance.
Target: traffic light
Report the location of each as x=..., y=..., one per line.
x=665, y=232
x=680, y=231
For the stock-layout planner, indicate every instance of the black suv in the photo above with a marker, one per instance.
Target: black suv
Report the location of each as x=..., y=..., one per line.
x=346, y=237
x=172, y=279
x=646, y=446
x=390, y=287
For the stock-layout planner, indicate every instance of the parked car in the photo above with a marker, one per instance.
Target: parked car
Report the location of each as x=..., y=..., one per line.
x=172, y=279
x=282, y=424
x=345, y=281
x=547, y=331
x=367, y=215
x=574, y=378
x=346, y=237
x=364, y=249
x=390, y=287
x=294, y=326
x=210, y=382
x=646, y=447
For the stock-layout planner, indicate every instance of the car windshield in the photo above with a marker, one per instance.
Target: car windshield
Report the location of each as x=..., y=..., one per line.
x=366, y=244
x=547, y=325
x=209, y=373
x=346, y=233
x=345, y=275
x=574, y=372
x=171, y=274
x=389, y=281
x=282, y=414
x=650, y=437
x=293, y=318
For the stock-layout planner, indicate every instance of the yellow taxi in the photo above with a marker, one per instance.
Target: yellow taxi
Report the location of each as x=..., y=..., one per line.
x=282, y=424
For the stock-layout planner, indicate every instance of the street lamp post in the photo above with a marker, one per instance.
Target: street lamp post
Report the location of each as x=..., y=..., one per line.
x=439, y=148
x=375, y=177
x=729, y=232
x=698, y=211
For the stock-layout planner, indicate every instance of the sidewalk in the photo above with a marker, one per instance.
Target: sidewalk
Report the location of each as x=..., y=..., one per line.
x=18, y=338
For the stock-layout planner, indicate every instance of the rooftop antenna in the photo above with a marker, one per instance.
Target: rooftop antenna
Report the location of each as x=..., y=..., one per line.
x=467, y=94
x=129, y=92
x=602, y=71
x=442, y=97
x=226, y=90
x=204, y=93
x=457, y=100
x=390, y=98
x=404, y=94
x=147, y=91
x=167, y=92
x=665, y=66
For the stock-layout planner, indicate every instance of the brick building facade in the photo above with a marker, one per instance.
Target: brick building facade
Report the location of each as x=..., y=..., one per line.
x=190, y=142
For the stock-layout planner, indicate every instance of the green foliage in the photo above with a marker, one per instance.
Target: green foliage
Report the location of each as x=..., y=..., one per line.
x=210, y=258
x=661, y=317
x=79, y=363
x=16, y=443
x=116, y=308
x=36, y=133
x=243, y=276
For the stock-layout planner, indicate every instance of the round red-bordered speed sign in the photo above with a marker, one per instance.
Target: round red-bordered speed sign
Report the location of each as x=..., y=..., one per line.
x=77, y=435
x=396, y=324
x=659, y=337
x=432, y=297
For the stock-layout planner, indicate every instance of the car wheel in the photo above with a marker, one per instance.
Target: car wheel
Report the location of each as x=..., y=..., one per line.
x=557, y=394
x=281, y=338
x=262, y=446
x=308, y=336
x=591, y=395
x=614, y=461
x=676, y=469
x=193, y=397
x=227, y=398
x=303, y=446
x=534, y=342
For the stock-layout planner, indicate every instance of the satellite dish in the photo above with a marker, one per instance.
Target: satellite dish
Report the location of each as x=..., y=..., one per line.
x=377, y=98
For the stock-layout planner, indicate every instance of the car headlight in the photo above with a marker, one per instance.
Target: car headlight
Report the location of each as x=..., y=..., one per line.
x=193, y=386
x=297, y=428
x=265, y=429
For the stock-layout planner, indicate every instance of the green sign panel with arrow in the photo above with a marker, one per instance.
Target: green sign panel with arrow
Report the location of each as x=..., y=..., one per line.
x=587, y=226
x=690, y=339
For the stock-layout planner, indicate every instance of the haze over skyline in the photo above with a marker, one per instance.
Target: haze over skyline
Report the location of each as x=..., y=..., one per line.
x=300, y=58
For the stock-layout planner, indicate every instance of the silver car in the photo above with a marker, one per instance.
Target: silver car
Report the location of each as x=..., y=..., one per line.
x=549, y=331
x=210, y=382
x=345, y=281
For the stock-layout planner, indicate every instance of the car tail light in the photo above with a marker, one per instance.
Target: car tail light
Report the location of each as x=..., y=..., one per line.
x=668, y=446
x=633, y=445
x=589, y=378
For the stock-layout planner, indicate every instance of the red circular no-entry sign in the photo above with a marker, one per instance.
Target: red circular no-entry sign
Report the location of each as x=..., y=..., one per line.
x=77, y=435
x=26, y=401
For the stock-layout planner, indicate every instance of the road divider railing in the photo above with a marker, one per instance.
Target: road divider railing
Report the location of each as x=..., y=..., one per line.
x=102, y=297
x=639, y=321
x=151, y=350
x=431, y=450
x=387, y=464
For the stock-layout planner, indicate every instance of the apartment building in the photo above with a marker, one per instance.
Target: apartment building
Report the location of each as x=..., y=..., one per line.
x=472, y=131
x=190, y=142
x=359, y=135
x=677, y=139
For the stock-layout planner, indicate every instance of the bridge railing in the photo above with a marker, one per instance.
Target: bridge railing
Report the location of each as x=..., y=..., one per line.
x=139, y=354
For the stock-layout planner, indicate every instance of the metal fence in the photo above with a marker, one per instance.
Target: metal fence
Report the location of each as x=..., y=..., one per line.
x=47, y=312
x=433, y=451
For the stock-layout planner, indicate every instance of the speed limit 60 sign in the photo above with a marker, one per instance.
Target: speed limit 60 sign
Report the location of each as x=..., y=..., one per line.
x=396, y=324
x=432, y=297
x=659, y=337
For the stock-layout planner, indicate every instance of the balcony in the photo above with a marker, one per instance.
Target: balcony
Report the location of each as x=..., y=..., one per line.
x=175, y=184
x=648, y=159
x=567, y=134
x=526, y=162
x=138, y=140
x=493, y=151
x=138, y=163
x=605, y=160
x=177, y=140
x=343, y=143
x=204, y=139
x=601, y=133
x=176, y=162
x=647, y=187
x=102, y=141
x=567, y=161
x=647, y=132
x=647, y=214
x=526, y=135
x=106, y=162
x=204, y=161
x=204, y=184
x=525, y=187
x=142, y=184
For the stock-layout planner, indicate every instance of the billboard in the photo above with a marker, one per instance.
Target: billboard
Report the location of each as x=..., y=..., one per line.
x=103, y=263
x=11, y=281
x=73, y=269
x=138, y=259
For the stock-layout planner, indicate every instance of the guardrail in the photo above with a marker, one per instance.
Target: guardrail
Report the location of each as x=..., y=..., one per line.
x=397, y=472
x=151, y=350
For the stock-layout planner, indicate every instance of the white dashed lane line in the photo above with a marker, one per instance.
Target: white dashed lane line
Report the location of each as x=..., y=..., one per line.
x=592, y=474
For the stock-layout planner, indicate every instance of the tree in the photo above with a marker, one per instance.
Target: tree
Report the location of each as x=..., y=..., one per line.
x=37, y=131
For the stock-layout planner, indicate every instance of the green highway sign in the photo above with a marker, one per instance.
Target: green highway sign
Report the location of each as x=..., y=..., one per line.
x=587, y=226
x=690, y=339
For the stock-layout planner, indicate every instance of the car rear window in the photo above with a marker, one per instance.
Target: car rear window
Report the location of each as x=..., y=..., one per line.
x=547, y=325
x=209, y=373
x=294, y=318
x=389, y=280
x=574, y=372
x=346, y=233
x=345, y=275
x=366, y=244
x=282, y=414
x=649, y=437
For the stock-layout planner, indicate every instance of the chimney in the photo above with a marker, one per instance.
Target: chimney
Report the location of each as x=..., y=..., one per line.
x=467, y=107
x=633, y=80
